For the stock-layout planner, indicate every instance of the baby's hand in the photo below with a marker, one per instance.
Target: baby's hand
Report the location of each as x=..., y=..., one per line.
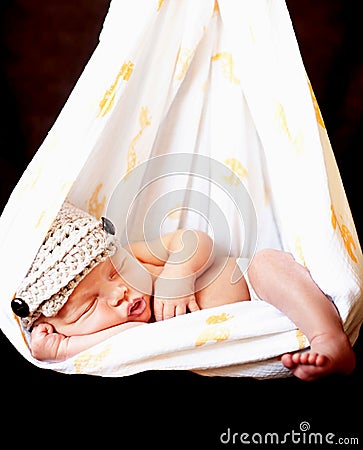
x=166, y=308
x=48, y=345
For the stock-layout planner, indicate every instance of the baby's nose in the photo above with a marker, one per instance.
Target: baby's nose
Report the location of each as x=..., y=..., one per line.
x=116, y=295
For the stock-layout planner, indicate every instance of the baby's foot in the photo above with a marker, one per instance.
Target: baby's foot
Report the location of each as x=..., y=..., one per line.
x=328, y=354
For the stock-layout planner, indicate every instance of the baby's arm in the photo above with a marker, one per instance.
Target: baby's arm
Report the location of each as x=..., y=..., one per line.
x=48, y=345
x=184, y=254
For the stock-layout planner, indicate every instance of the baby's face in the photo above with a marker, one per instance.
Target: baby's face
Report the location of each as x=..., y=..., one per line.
x=104, y=299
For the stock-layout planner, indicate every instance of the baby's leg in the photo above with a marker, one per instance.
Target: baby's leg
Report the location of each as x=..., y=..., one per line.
x=279, y=280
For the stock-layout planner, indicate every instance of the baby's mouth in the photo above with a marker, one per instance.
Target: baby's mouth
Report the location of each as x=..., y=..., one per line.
x=137, y=307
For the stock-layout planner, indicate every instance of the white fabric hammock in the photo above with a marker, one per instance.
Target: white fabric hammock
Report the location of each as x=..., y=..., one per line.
x=223, y=79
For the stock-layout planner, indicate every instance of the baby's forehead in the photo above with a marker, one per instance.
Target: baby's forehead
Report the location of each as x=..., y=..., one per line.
x=106, y=263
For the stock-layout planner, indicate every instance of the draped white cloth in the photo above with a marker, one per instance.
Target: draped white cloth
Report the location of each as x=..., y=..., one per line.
x=223, y=80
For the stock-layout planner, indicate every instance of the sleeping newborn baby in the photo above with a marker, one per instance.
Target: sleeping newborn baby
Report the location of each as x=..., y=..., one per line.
x=83, y=288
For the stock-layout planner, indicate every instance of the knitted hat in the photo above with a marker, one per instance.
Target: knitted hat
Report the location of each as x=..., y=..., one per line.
x=74, y=245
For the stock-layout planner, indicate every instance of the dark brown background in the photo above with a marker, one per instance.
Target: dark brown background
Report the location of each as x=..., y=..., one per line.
x=44, y=47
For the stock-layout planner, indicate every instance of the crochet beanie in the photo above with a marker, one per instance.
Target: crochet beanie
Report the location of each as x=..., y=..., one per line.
x=74, y=245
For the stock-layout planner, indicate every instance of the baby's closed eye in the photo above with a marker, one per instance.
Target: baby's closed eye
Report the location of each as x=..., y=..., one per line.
x=86, y=310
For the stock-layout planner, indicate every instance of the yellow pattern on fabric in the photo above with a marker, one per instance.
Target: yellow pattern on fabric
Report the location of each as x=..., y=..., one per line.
x=227, y=66
x=299, y=250
x=144, y=121
x=212, y=320
x=96, y=206
x=40, y=220
x=108, y=99
x=66, y=186
x=345, y=234
x=281, y=119
x=237, y=168
x=215, y=331
x=252, y=34
x=301, y=339
x=183, y=61
x=160, y=5
x=89, y=360
x=43, y=221
x=38, y=173
x=175, y=213
x=318, y=115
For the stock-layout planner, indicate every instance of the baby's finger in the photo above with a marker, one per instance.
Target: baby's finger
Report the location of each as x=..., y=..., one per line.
x=193, y=306
x=180, y=310
x=158, y=309
x=169, y=310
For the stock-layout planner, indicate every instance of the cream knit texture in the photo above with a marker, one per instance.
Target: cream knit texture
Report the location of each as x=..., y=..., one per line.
x=74, y=245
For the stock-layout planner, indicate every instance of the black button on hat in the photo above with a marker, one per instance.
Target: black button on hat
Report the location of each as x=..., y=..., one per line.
x=108, y=226
x=20, y=307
